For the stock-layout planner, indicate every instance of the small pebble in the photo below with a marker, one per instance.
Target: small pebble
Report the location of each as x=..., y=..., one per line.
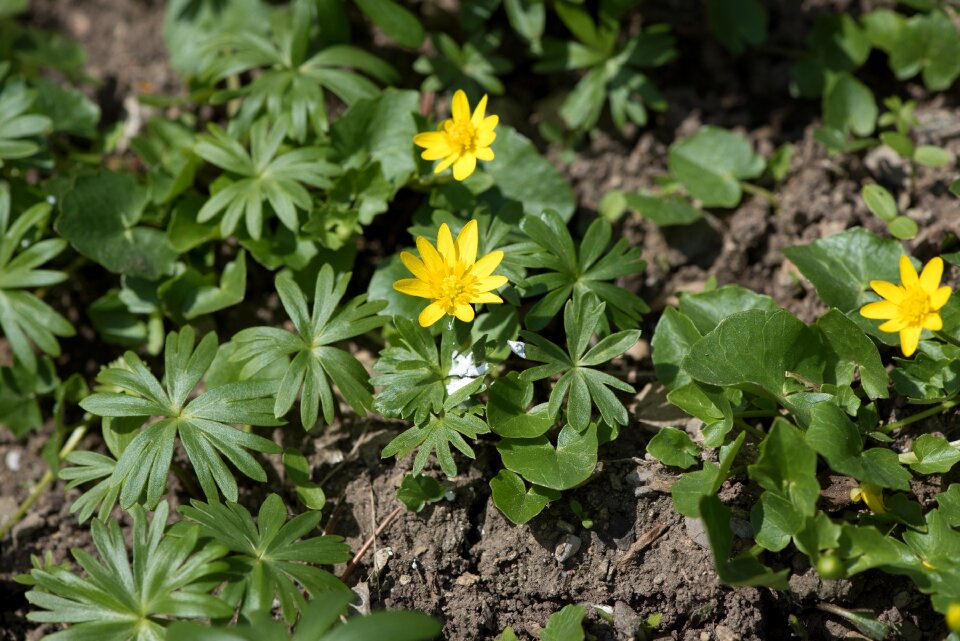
x=566, y=548
x=12, y=460
x=466, y=579
x=404, y=579
x=380, y=559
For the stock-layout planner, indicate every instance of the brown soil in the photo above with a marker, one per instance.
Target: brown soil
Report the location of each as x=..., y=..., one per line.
x=461, y=560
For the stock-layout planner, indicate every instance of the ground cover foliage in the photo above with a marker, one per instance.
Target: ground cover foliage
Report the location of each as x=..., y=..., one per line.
x=309, y=234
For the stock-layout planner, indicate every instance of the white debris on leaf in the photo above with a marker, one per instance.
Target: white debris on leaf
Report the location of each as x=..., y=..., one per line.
x=518, y=347
x=463, y=371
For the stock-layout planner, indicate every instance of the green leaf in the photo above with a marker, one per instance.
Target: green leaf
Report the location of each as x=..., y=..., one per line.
x=738, y=23
x=841, y=266
x=787, y=466
x=745, y=570
x=565, y=625
x=416, y=491
x=688, y=491
x=99, y=217
x=528, y=18
x=508, y=409
x=755, y=350
x=674, y=335
x=852, y=349
x=879, y=201
x=673, y=447
x=317, y=366
x=835, y=437
x=437, y=435
x=297, y=469
x=379, y=130
x=68, y=109
x=934, y=455
x=17, y=127
x=25, y=320
x=562, y=467
x=932, y=156
x=398, y=23
x=520, y=173
x=706, y=309
x=901, y=144
x=518, y=503
x=123, y=599
x=664, y=210
x=711, y=163
x=270, y=559
x=838, y=42
x=903, y=228
x=190, y=25
x=192, y=294
x=202, y=424
x=849, y=106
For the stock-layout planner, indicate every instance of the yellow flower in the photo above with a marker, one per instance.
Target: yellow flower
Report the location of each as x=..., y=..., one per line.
x=953, y=617
x=913, y=305
x=461, y=140
x=450, y=275
x=870, y=494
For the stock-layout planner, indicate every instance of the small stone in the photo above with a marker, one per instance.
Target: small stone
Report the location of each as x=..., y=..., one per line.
x=659, y=579
x=568, y=546
x=12, y=460
x=466, y=579
x=404, y=579
x=696, y=532
x=725, y=634
x=704, y=636
x=625, y=620
x=380, y=560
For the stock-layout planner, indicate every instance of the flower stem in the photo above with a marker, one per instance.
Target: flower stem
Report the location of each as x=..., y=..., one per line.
x=756, y=433
x=766, y=194
x=48, y=477
x=919, y=416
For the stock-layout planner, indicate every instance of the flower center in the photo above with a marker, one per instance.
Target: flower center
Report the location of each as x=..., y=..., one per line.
x=465, y=135
x=915, y=307
x=452, y=287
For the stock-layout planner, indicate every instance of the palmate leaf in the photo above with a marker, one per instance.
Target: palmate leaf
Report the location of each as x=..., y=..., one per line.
x=412, y=373
x=270, y=559
x=317, y=366
x=569, y=270
x=265, y=174
x=24, y=318
x=203, y=424
x=294, y=77
x=584, y=386
x=17, y=127
x=87, y=467
x=320, y=622
x=122, y=599
x=440, y=431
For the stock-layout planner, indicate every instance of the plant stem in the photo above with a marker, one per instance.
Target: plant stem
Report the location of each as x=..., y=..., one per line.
x=766, y=194
x=355, y=561
x=48, y=477
x=750, y=429
x=919, y=416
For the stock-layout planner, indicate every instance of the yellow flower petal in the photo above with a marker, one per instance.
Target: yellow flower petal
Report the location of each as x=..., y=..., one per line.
x=489, y=123
x=488, y=283
x=449, y=160
x=882, y=310
x=484, y=153
x=933, y=322
x=940, y=297
x=431, y=259
x=480, y=112
x=485, y=266
x=431, y=314
x=887, y=290
x=445, y=246
x=893, y=325
x=909, y=339
x=467, y=241
x=464, y=312
x=908, y=275
x=415, y=265
x=873, y=497
x=460, y=107
x=464, y=166
x=486, y=138
x=431, y=139
x=413, y=287
x=931, y=275
x=486, y=297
